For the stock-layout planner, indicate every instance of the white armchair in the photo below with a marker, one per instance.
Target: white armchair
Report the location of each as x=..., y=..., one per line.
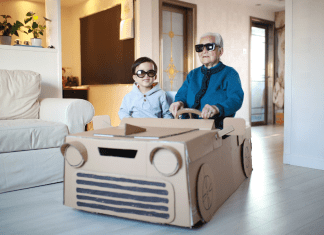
x=75, y=113
x=32, y=130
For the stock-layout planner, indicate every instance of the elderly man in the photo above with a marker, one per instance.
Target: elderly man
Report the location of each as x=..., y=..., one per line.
x=214, y=88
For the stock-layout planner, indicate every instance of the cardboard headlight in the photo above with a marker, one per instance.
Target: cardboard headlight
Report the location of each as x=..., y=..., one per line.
x=166, y=160
x=74, y=153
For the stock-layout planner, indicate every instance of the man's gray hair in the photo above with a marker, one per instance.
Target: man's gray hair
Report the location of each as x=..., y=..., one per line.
x=218, y=38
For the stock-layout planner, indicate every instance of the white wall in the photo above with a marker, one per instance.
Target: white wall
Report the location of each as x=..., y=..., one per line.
x=40, y=60
x=106, y=99
x=18, y=10
x=71, y=48
x=45, y=61
x=231, y=20
x=304, y=84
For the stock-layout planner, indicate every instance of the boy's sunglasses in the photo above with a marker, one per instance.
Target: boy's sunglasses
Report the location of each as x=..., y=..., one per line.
x=209, y=47
x=141, y=73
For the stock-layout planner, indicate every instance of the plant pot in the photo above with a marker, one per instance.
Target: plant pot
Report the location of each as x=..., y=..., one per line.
x=5, y=40
x=36, y=42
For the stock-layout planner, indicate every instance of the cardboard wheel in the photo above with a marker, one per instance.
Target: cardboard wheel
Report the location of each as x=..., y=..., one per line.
x=206, y=193
x=247, y=157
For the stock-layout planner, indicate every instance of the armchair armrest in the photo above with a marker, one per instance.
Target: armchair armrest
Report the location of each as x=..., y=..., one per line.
x=75, y=113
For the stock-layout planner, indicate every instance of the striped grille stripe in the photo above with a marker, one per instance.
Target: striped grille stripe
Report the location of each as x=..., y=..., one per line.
x=121, y=203
x=124, y=210
x=116, y=186
x=142, y=182
x=123, y=195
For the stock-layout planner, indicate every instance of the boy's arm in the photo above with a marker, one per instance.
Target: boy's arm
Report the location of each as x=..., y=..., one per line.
x=123, y=110
x=165, y=107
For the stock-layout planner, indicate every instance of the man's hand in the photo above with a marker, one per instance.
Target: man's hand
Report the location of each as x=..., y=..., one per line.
x=209, y=111
x=174, y=107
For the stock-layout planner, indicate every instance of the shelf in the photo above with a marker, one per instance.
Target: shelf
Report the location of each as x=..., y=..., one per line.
x=75, y=94
x=26, y=48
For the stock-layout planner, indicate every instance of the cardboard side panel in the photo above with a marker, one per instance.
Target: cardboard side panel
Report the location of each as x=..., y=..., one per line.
x=237, y=123
x=204, y=143
x=226, y=165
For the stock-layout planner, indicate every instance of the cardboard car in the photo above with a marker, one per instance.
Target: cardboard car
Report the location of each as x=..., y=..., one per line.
x=168, y=171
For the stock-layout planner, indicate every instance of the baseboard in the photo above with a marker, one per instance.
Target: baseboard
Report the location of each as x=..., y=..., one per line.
x=309, y=161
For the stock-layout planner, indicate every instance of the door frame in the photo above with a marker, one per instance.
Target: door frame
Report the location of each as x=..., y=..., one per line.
x=269, y=73
x=191, y=17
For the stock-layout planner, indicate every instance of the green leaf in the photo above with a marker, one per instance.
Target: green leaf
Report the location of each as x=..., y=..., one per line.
x=28, y=19
x=41, y=33
x=30, y=30
x=19, y=23
x=30, y=13
x=35, y=25
x=6, y=16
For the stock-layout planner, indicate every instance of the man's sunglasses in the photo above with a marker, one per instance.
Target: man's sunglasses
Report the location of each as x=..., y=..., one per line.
x=209, y=47
x=141, y=73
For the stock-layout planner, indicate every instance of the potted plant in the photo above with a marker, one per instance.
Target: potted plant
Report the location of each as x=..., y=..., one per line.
x=35, y=28
x=8, y=29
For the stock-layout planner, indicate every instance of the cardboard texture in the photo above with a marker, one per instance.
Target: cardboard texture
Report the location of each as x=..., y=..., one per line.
x=180, y=178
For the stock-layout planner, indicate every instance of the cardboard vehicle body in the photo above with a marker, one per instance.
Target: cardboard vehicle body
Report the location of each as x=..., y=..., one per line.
x=169, y=171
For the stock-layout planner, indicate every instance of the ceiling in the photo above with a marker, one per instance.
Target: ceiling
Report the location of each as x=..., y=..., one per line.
x=273, y=5
x=64, y=3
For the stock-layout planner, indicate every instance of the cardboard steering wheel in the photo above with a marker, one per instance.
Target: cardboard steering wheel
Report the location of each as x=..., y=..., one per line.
x=189, y=111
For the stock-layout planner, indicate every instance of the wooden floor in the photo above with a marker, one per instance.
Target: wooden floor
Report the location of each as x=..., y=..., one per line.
x=277, y=199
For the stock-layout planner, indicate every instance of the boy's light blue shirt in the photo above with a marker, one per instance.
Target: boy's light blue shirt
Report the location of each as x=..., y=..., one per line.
x=152, y=104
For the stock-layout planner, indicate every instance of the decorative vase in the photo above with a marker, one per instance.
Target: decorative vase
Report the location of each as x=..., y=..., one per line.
x=5, y=40
x=36, y=42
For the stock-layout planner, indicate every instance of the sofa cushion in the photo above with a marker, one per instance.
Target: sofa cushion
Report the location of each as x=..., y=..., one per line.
x=19, y=91
x=27, y=134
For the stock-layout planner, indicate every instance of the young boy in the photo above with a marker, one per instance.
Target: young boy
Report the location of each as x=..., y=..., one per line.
x=147, y=99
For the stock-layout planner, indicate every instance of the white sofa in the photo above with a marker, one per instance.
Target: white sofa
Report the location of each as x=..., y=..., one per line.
x=32, y=130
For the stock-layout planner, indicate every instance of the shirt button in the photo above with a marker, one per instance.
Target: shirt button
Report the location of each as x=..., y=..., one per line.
x=144, y=100
x=144, y=95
